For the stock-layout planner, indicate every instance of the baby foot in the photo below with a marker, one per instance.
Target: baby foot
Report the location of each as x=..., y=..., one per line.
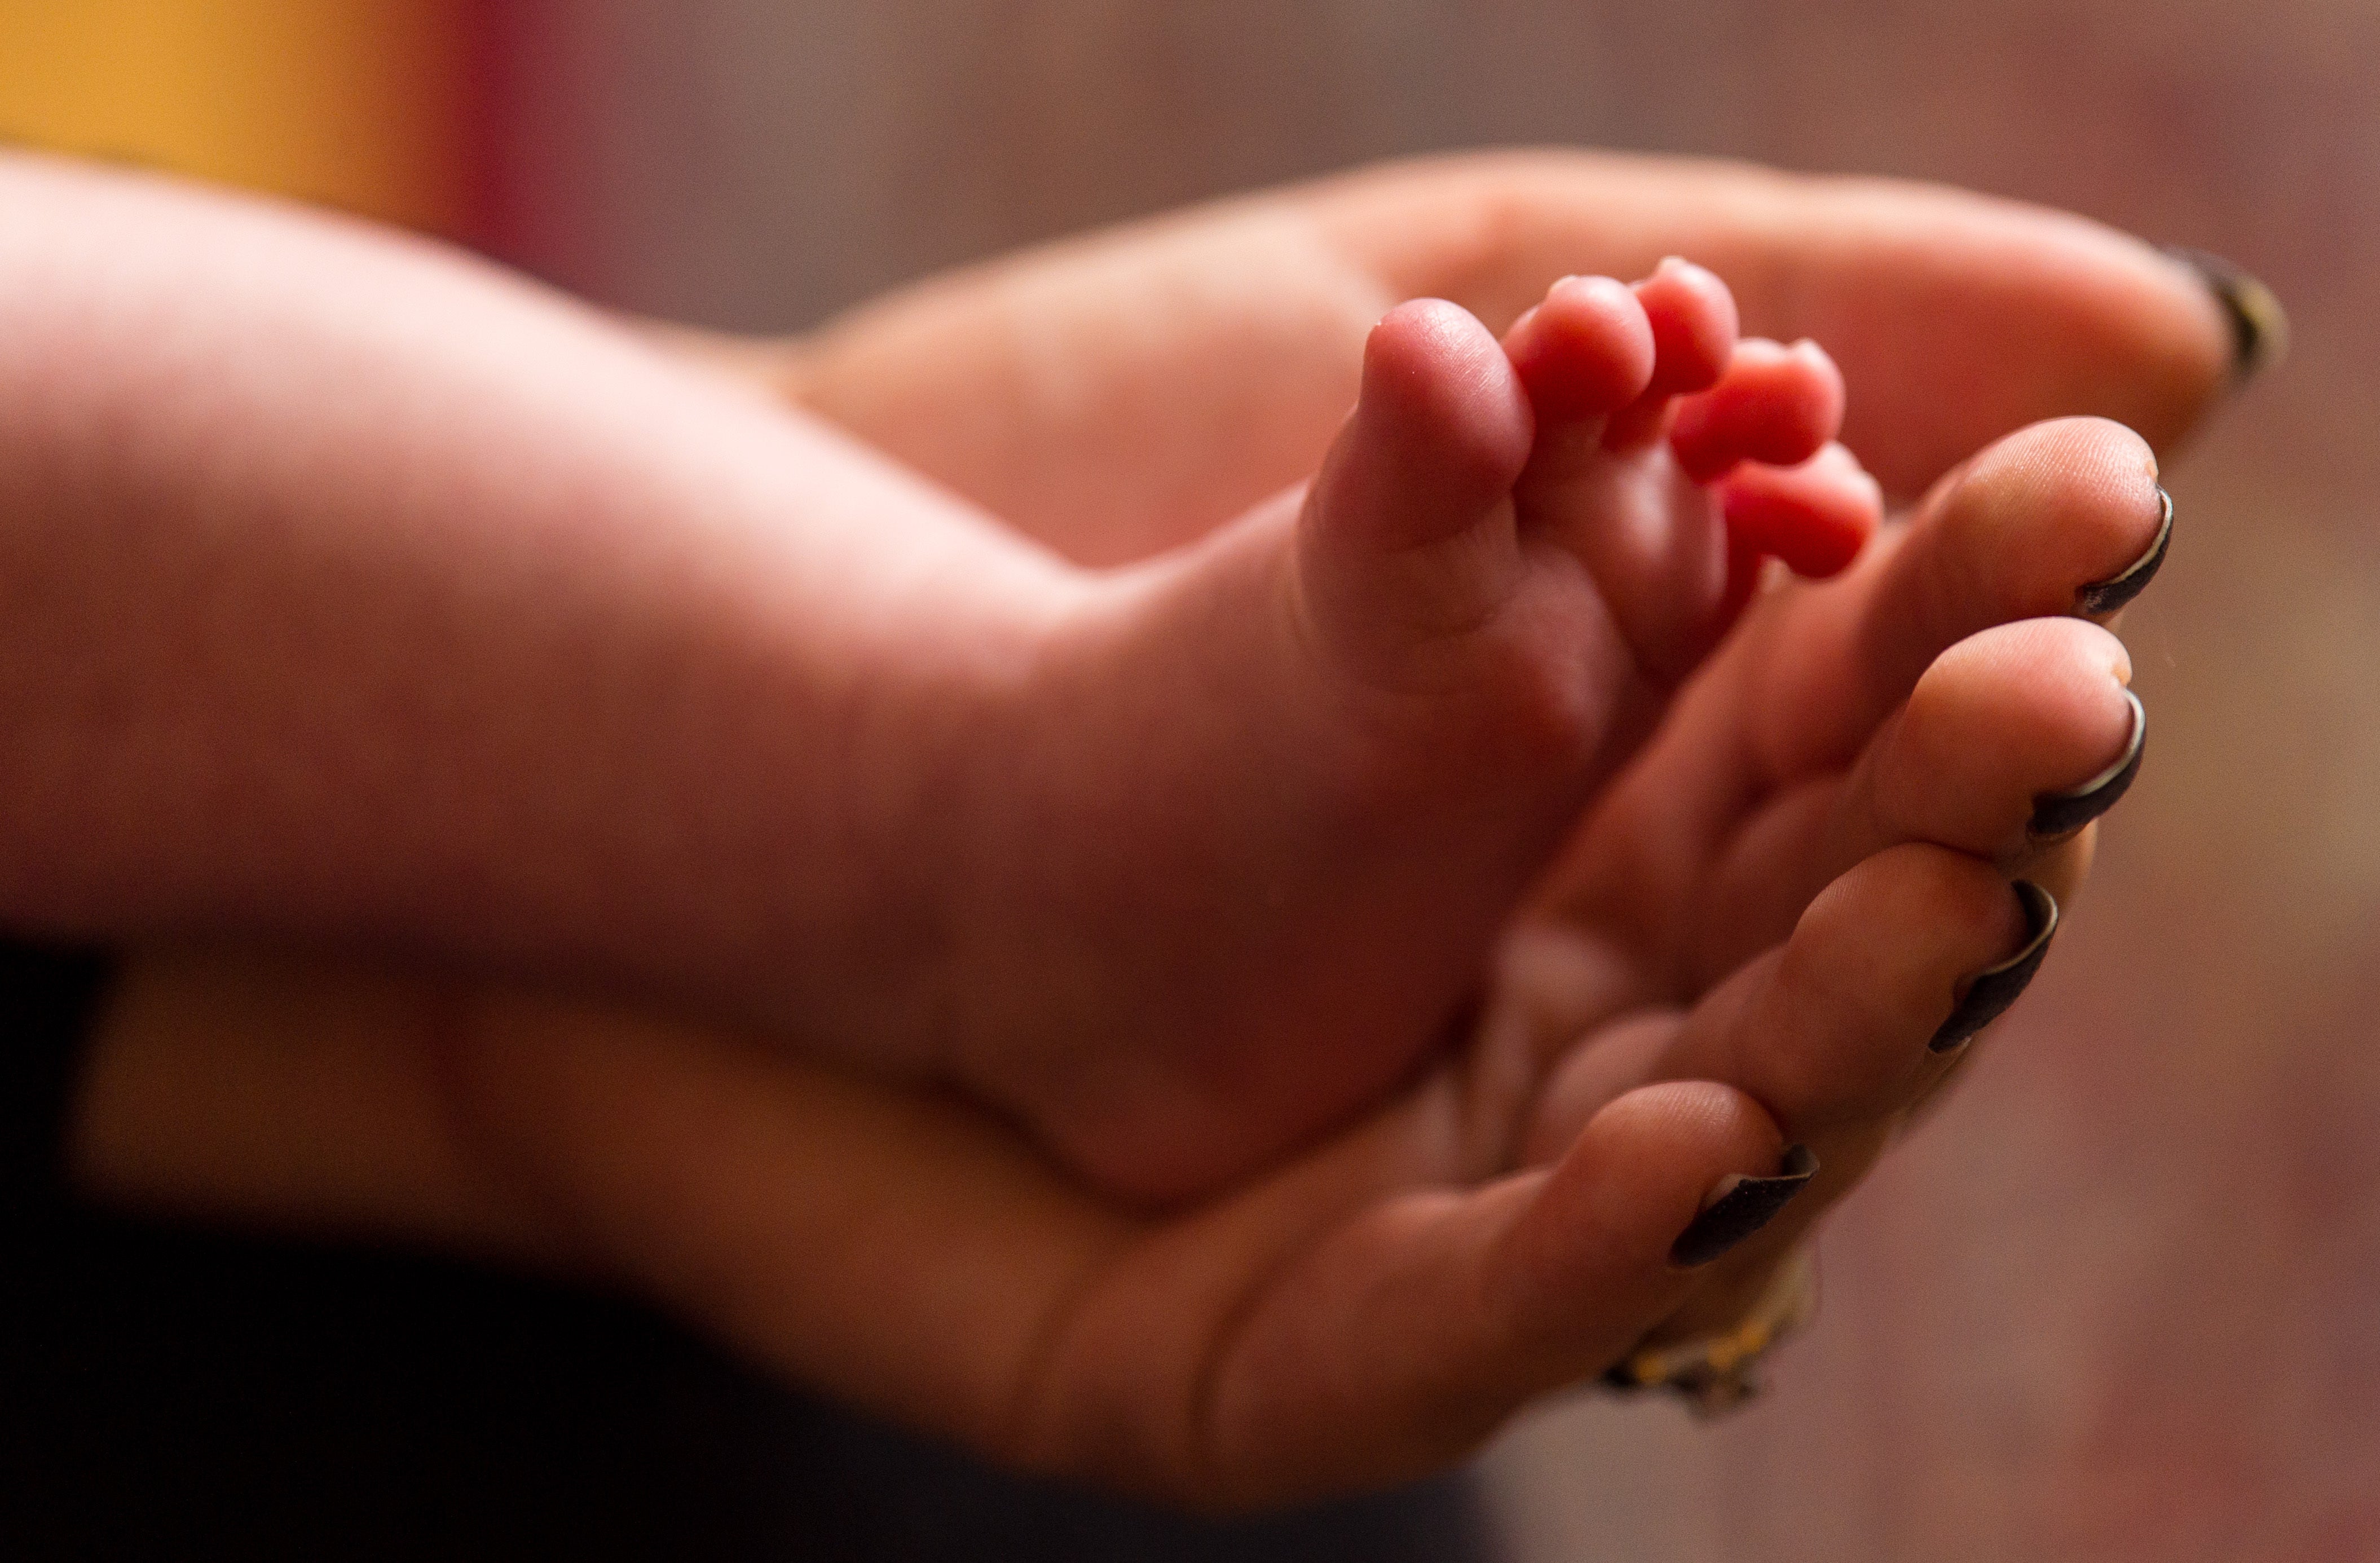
x=1271, y=800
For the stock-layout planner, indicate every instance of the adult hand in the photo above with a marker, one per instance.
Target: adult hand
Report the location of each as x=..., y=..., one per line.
x=1760, y=935
x=1121, y=392
x=1758, y=939
x=1755, y=938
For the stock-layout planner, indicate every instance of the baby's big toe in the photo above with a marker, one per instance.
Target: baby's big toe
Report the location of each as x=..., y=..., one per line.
x=1407, y=532
x=1441, y=428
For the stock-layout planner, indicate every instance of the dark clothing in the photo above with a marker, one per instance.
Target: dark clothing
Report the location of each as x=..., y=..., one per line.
x=170, y=1393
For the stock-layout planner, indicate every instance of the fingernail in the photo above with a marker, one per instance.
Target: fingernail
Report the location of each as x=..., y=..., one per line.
x=1996, y=987
x=2106, y=597
x=1739, y=1207
x=2260, y=327
x=2060, y=814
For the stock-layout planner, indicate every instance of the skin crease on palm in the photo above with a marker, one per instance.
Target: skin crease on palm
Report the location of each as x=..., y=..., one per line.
x=1374, y=1307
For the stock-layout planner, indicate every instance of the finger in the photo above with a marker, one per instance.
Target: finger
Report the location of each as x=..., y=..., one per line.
x=1798, y=693
x=1429, y=1320
x=2013, y=739
x=1835, y=1034
x=910, y=1256
x=1322, y=1331
x=1351, y=1320
x=1832, y=1026
x=289, y=1093
x=2060, y=870
x=1120, y=393
x=1164, y=376
x=2022, y=313
x=2023, y=532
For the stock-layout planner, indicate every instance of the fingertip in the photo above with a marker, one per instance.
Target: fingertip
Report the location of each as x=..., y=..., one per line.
x=2036, y=673
x=2004, y=720
x=1959, y=916
x=2061, y=517
x=1415, y=1328
x=1638, y=1175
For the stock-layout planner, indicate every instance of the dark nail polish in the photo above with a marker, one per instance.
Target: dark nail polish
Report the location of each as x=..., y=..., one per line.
x=2260, y=327
x=2058, y=814
x=1742, y=1206
x=2106, y=597
x=1997, y=988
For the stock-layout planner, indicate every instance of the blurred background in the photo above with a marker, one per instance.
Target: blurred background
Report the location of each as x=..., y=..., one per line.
x=2118, y=1304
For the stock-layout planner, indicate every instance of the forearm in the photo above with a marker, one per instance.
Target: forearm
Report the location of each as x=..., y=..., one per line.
x=903, y=1246
x=357, y=592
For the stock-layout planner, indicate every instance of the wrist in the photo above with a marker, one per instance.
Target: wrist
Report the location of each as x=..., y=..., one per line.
x=275, y=1093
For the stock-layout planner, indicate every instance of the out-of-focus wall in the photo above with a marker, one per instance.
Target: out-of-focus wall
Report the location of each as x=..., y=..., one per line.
x=2118, y=1303
x=365, y=105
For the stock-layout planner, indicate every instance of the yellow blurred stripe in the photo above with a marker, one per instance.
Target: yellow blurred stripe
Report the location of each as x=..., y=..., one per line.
x=358, y=103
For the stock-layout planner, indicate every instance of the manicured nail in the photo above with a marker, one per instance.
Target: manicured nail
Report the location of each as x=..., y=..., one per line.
x=1739, y=1207
x=1996, y=987
x=2260, y=327
x=2060, y=814
x=2106, y=597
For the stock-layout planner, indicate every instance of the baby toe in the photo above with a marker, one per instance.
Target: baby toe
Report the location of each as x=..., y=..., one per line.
x=1694, y=320
x=1775, y=404
x=1815, y=516
x=1586, y=351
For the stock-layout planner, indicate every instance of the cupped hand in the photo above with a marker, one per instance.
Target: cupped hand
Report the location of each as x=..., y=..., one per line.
x=1767, y=934
x=1754, y=939
x=1118, y=392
